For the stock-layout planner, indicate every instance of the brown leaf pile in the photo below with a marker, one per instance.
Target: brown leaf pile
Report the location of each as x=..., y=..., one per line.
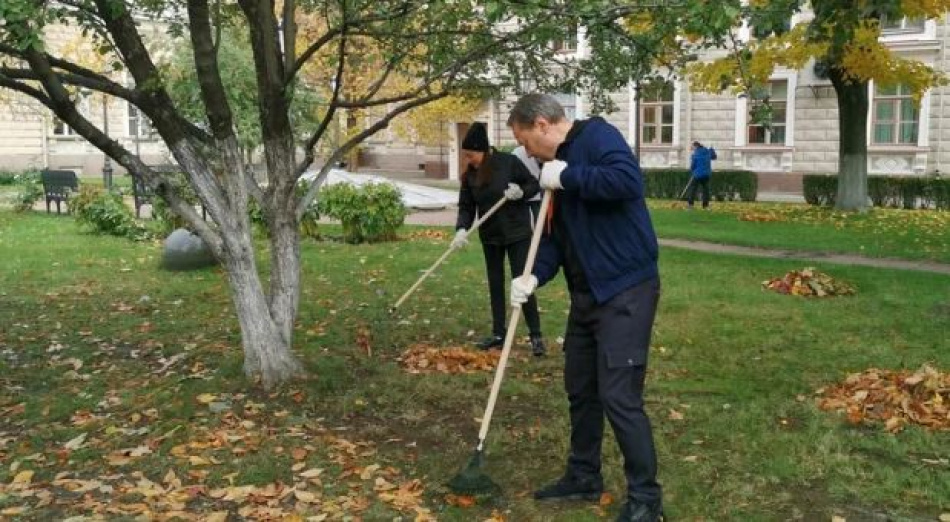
x=896, y=398
x=421, y=358
x=430, y=234
x=759, y=216
x=808, y=282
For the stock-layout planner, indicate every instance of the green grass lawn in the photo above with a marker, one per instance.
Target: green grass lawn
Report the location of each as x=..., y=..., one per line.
x=908, y=234
x=95, y=340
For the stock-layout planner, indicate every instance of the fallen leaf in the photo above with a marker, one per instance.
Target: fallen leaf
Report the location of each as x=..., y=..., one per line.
x=75, y=443
x=23, y=478
x=298, y=453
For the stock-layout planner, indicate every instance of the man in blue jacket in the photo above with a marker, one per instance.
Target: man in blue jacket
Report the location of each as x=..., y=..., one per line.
x=601, y=235
x=700, y=165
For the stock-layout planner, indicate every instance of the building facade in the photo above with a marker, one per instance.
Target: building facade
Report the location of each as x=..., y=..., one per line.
x=903, y=138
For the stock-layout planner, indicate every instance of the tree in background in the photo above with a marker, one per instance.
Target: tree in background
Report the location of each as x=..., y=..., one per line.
x=843, y=37
x=354, y=55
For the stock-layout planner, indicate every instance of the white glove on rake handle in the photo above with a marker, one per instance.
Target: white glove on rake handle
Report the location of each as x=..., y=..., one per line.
x=513, y=192
x=521, y=289
x=461, y=239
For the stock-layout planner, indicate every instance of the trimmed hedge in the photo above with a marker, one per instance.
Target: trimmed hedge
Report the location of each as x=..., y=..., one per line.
x=724, y=185
x=906, y=192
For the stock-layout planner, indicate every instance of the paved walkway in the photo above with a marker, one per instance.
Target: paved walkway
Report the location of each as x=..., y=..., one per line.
x=447, y=218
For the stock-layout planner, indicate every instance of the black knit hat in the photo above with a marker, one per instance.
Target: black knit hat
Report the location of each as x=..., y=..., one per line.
x=476, y=138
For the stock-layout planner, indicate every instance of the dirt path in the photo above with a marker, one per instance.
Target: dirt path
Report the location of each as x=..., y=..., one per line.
x=824, y=257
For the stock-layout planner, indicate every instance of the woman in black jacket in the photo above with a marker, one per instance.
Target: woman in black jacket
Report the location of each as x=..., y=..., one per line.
x=490, y=176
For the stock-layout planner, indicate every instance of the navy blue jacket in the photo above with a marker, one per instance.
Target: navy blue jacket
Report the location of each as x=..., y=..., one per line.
x=604, y=213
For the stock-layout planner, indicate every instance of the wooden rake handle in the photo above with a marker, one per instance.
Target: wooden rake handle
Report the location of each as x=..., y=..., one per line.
x=478, y=222
x=513, y=323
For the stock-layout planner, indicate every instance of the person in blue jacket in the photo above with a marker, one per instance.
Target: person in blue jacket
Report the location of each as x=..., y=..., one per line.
x=601, y=235
x=700, y=165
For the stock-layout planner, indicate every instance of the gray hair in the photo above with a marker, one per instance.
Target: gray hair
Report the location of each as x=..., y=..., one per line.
x=532, y=106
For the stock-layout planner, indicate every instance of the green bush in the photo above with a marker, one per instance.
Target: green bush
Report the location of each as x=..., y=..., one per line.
x=368, y=213
x=310, y=221
x=907, y=192
x=29, y=191
x=105, y=213
x=820, y=189
x=309, y=225
x=165, y=219
x=8, y=178
x=724, y=185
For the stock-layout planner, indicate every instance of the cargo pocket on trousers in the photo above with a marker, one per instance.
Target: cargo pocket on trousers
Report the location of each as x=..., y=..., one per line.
x=624, y=341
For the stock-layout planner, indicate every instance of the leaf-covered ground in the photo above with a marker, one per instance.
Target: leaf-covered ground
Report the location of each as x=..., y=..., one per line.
x=881, y=232
x=122, y=393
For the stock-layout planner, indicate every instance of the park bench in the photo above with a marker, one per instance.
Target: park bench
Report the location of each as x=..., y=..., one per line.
x=142, y=194
x=57, y=185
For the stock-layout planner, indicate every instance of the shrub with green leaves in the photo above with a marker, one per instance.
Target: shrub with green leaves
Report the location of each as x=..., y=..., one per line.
x=8, y=178
x=104, y=212
x=369, y=213
x=29, y=191
x=907, y=192
x=724, y=185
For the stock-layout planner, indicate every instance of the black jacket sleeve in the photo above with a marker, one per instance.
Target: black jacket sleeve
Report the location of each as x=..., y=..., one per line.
x=467, y=207
x=523, y=178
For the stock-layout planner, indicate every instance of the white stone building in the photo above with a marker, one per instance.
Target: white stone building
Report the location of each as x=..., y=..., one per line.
x=903, y=139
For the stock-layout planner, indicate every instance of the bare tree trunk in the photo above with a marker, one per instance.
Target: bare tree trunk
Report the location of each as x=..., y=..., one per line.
x=266, y=348
x=285, y=267
x=853, y=104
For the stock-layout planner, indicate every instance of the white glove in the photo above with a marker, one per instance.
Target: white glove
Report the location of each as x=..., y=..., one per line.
x=521, y=289
x=513, y=192
x=551, y=175
x=461, y=239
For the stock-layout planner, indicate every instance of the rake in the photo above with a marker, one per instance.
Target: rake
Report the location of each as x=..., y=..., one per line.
x=478, y=222
x=472, y=480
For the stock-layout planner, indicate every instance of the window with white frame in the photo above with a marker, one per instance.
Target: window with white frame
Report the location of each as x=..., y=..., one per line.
x=895, y=116
x=138, y=124
x=775, y=97
x=569, y=102
x=61, y=129
x=656, y=113
x=568, y=44
x=902, y=25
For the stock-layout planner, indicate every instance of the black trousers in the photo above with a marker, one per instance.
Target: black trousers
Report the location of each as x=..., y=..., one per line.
x=605, y=351
x=704, y=182
x=495, y=268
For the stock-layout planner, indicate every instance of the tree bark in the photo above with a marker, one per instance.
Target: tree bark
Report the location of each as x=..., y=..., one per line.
x=853, y=104
x=266, y=349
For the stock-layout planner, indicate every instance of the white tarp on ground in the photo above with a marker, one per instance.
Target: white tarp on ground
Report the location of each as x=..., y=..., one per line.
x=414, y=196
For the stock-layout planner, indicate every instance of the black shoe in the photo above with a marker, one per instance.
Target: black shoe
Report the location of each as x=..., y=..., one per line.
x=537, y=346
x=636, y=512
x=495, y=341
x=570, y=488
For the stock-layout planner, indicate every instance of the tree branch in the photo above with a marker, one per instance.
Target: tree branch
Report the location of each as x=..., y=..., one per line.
x=110, y=88
x=311, y=144
x=57, y=99
x=289, y=37
x=352, y=142
x=208, y=72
